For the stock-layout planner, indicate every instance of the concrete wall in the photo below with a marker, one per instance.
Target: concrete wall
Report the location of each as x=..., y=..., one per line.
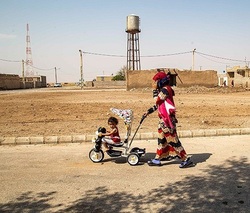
x=106, y=84
x=143, y=78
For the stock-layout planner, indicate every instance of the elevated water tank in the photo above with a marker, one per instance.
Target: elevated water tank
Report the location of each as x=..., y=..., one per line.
x=133, y=23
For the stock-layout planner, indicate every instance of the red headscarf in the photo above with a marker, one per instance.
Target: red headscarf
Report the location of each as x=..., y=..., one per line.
x=159, y=76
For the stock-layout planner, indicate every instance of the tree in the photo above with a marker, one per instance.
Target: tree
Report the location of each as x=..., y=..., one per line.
x=120, y=75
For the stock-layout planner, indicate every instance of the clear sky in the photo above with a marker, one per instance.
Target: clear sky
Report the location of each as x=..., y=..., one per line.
x=60, y=28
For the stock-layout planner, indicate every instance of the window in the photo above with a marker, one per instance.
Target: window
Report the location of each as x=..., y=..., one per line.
x=231, y=74
x=241, y=72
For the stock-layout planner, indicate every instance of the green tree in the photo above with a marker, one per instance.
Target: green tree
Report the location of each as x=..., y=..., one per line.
x=120, y=75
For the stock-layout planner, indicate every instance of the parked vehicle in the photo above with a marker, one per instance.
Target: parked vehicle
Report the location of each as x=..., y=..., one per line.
x=57, y=85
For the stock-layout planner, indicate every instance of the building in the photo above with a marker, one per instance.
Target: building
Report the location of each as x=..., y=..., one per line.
x=9, y=81
x=239, y=77
x=104, y=78
x=38, y=80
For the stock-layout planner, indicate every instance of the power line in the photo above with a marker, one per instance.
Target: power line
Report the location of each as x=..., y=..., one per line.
x=102, y=54
x=211, y=59
x=173, y=54
x=6, y=60
x=149, y=56
x=170, y=54
x=112, y=55
x=9, y=60
x=42, y=68
x=218, y=57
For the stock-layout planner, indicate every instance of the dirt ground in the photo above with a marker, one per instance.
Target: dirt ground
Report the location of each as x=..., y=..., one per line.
x=71, y=111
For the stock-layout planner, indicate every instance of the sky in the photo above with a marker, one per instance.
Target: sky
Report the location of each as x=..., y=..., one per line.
x=170, y=30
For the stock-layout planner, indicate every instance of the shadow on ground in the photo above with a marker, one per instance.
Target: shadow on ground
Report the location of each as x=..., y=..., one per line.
x=223, y=188
x=196, y=158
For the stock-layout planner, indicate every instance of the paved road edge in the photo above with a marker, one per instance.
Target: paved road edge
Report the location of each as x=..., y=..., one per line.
x=139, y=136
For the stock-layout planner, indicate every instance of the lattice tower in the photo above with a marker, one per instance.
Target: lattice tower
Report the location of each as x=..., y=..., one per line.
x=29, y=62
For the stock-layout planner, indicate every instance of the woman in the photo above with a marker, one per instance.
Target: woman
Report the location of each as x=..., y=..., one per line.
x=168, y=140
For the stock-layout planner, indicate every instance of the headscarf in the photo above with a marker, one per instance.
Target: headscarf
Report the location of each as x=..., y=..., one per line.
x=161, y=78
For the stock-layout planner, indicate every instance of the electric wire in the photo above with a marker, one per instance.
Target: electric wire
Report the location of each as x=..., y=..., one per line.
x=212, y=59
x=173, y=54
x=6, y=60
x=218, y=57
x=42, y=68
x=112, y=55
x=102, y=54
x=163, y=55
x=204, y=55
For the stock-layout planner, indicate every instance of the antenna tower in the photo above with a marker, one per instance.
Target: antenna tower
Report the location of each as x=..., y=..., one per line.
x=29, y=62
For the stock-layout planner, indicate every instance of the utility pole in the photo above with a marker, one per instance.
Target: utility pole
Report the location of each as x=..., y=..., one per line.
x=193, y=60
x=55, y=75
x=247, y=63
x=23, y=74
x=81, y=69
x=228, y=68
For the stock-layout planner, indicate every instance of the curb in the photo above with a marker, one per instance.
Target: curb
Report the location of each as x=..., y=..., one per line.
x=139, y=136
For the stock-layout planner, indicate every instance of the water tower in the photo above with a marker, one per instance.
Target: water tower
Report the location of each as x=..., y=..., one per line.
x=133, y=48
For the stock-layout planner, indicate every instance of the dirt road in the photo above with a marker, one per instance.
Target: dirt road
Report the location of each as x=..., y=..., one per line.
x=61, y=178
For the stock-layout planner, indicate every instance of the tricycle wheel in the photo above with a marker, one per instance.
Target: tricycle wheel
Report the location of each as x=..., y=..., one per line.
x=137, y=150
x=96, y=156
x=133, y=159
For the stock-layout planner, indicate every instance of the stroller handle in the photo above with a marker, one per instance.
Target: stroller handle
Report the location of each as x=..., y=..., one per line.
x=143, y=117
